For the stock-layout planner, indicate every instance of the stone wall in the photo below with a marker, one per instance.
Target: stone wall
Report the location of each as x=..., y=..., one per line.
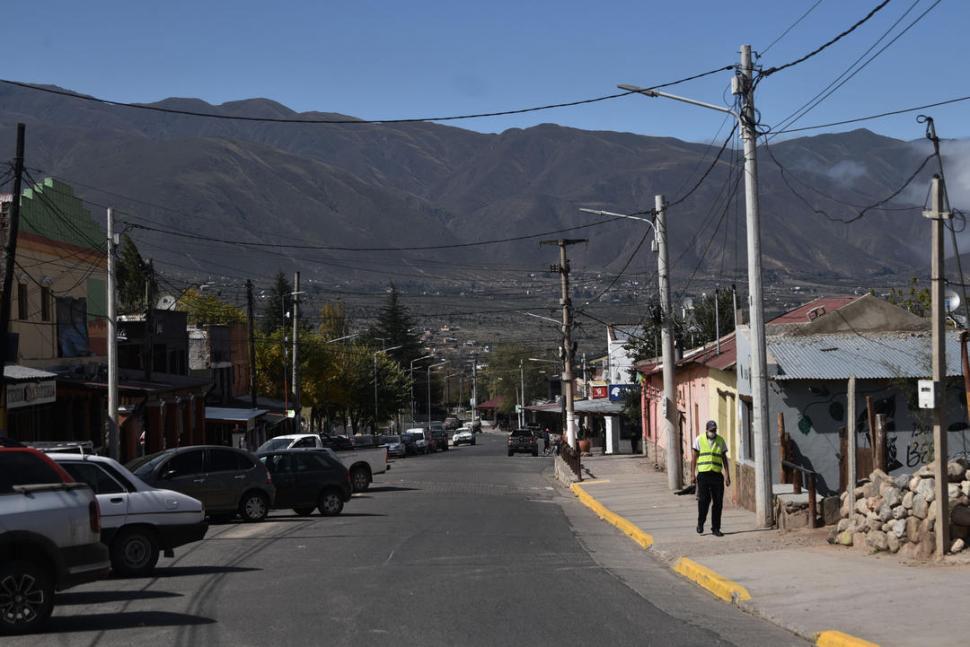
x=896, y=514
x=564, y=473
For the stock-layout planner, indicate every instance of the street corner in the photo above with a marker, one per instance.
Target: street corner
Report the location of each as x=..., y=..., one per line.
x=832, y=638
x=713, y=582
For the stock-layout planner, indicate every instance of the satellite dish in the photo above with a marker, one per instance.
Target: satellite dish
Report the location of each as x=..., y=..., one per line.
x=688, y=304
x=951, y=300
x=165, y=302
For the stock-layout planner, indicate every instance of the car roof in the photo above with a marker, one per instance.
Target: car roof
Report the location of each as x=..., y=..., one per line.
x=65, y=477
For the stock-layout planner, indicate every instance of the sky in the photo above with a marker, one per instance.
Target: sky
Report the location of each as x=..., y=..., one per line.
x=386, y=59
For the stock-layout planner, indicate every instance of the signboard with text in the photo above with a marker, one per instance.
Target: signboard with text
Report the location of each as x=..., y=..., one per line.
x=599, y=391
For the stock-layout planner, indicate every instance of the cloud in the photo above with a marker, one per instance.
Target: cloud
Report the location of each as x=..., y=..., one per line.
x=846, y=171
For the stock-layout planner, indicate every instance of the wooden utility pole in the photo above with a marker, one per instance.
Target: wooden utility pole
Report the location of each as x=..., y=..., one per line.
x=9, y=257
x=567, y=334
x=251, y=318
x=937, y=217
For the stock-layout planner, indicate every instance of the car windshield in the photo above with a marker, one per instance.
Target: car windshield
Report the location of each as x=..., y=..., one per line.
x=274, y=444
x=143, y=466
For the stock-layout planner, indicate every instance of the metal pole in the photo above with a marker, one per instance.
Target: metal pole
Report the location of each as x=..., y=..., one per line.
x=717, y=322
x=251, y=317
x=522, y=391
x=851, y=477
x=759, y=371
x=474, y=388
x=113, y=440
x=429, y=396
x=10, y=254
x=296, y=354
x=937, y=280
x=375, y=393
x=668, y=407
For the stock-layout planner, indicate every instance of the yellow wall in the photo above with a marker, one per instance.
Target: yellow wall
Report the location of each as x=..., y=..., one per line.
x=723, y=394
x=67, y=269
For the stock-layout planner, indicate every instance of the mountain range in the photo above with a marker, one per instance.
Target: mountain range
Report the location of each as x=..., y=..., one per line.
x=424, y=184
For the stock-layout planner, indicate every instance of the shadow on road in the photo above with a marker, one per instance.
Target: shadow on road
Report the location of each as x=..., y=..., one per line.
x=361, y=514
x=99, y=597
x=391, y=488
x=130, y=620
x=185, y=571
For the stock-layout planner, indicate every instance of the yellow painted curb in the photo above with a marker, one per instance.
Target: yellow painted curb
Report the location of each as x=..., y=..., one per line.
x=832, y=638
x=595, y=482
x=643, y=539
x=720, y=586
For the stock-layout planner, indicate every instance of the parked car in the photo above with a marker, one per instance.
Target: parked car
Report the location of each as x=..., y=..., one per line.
x=439, y=437
x=410, y=444
x=451, y=423
x=395, y=445
x=228, y=481
x=423, y=443
x=50, y=537
x=306, y=479
x=137, y=520
x=363, y=462
x=523, y=440
x=463, y=435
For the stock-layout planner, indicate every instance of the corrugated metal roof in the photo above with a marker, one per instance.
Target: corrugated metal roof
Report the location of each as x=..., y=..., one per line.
x=602, y=407
x=234, y=415
x=864, y=356
x=18, y=373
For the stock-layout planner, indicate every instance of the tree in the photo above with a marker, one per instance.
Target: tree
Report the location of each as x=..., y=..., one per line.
x=705, y=326
x=394, y=327
x=333, y=321
x=133, y=273
x=208, y=309
x=502, y=377
x=917, y=300
x=277, y=304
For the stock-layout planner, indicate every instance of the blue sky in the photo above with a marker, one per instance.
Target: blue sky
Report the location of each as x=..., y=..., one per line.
x=377, y=59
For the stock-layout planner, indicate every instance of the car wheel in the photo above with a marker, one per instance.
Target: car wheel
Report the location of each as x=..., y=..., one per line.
x=359, y=479
x=303, y=512
x=330, y=503
x=134, y=552
x=254, y=506
x=26, y=596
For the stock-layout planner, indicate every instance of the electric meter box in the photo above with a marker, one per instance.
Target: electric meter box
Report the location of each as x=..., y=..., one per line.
x=928, y=390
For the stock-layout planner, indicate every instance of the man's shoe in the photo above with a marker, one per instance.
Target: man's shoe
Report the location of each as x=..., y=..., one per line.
x=717, y=533
x=700, y=529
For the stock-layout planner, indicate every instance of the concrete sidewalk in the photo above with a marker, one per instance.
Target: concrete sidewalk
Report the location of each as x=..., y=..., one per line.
x=795, y=579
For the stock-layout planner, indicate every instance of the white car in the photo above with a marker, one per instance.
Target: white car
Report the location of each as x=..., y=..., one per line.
x=137, y=520
x=463, y=435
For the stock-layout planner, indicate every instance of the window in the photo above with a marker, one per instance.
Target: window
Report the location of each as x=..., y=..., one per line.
x=45, y=304
x=184, y=464
x=277, y=463
x=22, y=305
x=308, y=463
x=22, y=468
x=226, y=460
x=305, y=442
x=95, y=477
x=746, y=415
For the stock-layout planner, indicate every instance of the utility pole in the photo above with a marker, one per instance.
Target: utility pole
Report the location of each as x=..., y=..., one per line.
x=764, y=514
x=9, y=257
x=251, y=318
x=297, y=427
x=522, y=391
x=668, y=407
x=148, y=343
x=113, y=444
x=851, y=462
x=717, y=320
x=567, y=334
x=938, y=216
x=474, y=387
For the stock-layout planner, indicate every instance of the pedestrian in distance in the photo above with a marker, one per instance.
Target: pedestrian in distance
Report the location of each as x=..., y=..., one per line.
x=710, y=476
x=545, y=441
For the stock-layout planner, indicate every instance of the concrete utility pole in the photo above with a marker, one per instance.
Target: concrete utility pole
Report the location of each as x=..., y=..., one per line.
x=148, y=343
x=474, y=387
x=9, y=256
x=668, y=408
x=251, y=318
x=937, y=216
x=297, y=412
x=850, y=445
x=567, y=334
x=522, y=391
x=113, y=444
x=759, y=369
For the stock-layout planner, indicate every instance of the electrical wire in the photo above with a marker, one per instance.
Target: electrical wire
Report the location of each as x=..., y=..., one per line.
x=281, y=120
x=790, y=27
x=871, y=117
x=827, y=44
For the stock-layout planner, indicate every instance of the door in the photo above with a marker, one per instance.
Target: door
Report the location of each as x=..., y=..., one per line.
x=224, y=478
x=309, y=473
x=183, y=473
x=112, y=496
x=281, y=469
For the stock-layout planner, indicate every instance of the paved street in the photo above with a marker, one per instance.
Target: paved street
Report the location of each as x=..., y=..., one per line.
x=465, y=548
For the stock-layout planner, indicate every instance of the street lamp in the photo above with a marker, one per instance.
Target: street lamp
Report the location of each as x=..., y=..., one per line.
x=447, y=394
x=742, y=85
x=431, y=366
x=383, y=350
x=412, y=381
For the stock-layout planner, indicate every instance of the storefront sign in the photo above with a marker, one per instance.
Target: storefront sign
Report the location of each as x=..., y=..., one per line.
x=598, y=391
x=27, y=394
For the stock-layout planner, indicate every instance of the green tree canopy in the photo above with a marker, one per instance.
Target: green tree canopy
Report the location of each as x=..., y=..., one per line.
x=277, y=304
x=207, y=308
x=503, y=377
x=133, y=274
x=394, y=327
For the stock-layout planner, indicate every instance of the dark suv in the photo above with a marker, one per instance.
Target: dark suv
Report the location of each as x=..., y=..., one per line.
x=523, y=440
x=226, y=480
x=308, y=478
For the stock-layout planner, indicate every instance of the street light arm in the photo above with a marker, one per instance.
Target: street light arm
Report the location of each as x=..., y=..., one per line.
x=600, y=212
x=647, y=92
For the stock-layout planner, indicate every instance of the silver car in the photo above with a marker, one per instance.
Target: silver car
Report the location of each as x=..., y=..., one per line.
x=463, y=435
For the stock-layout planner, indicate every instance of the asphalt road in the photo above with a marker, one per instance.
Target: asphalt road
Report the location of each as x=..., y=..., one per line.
x=468, y=547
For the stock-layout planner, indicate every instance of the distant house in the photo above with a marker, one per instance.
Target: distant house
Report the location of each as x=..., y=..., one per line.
x=220, y=354
x=619, y=367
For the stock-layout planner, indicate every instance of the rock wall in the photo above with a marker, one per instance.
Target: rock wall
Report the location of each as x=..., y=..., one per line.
x=896, y=514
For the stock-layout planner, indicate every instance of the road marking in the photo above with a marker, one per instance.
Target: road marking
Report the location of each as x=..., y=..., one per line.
x=386, y=561
x=595, y=482
x=715, y=583
x=645, y=540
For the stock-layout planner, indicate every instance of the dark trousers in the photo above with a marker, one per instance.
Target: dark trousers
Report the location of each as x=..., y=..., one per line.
x=710, y=489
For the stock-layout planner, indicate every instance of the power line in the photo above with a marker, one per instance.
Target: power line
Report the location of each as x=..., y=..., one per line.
x=282, y=120
x=827, y=44
x=871, y=117
x=790, y=27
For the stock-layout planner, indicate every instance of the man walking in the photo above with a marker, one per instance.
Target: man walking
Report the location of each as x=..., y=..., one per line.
x=708, y=466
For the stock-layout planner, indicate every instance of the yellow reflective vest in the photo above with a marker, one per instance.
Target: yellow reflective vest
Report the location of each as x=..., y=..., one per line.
x=711, y=455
